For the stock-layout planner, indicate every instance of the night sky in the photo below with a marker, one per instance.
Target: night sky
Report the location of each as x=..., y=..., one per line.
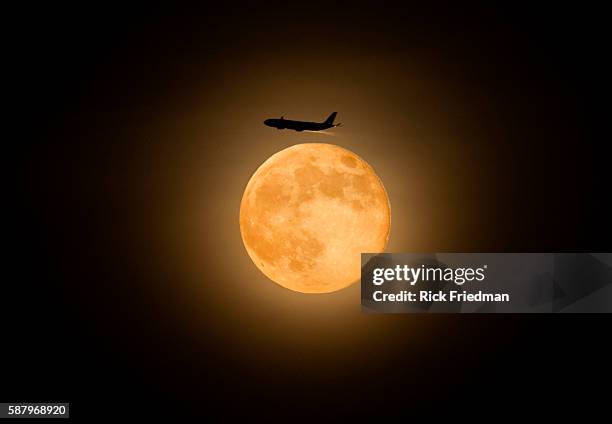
x=128, y=279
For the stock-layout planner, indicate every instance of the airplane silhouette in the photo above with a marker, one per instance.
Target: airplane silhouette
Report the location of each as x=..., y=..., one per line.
x=283, y=123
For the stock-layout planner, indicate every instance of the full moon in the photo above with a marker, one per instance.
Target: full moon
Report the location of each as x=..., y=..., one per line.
x=308, y=213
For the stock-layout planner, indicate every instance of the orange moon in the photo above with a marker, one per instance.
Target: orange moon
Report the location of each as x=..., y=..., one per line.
x=308, y=213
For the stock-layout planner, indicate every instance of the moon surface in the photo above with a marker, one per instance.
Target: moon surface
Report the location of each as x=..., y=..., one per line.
x=308, y=213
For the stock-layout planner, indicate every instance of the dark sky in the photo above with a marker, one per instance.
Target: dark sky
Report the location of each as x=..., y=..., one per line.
x=143, y=126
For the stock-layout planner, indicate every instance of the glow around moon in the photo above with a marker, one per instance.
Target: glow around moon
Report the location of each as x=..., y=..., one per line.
x=308, y=213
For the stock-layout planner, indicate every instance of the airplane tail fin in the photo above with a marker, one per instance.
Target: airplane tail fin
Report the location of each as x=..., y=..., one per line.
x=330, y=119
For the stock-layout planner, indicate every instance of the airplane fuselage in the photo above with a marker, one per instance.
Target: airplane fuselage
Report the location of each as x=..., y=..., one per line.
x=289, y=124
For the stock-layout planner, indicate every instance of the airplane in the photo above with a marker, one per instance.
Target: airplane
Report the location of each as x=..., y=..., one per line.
x=283, y=123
